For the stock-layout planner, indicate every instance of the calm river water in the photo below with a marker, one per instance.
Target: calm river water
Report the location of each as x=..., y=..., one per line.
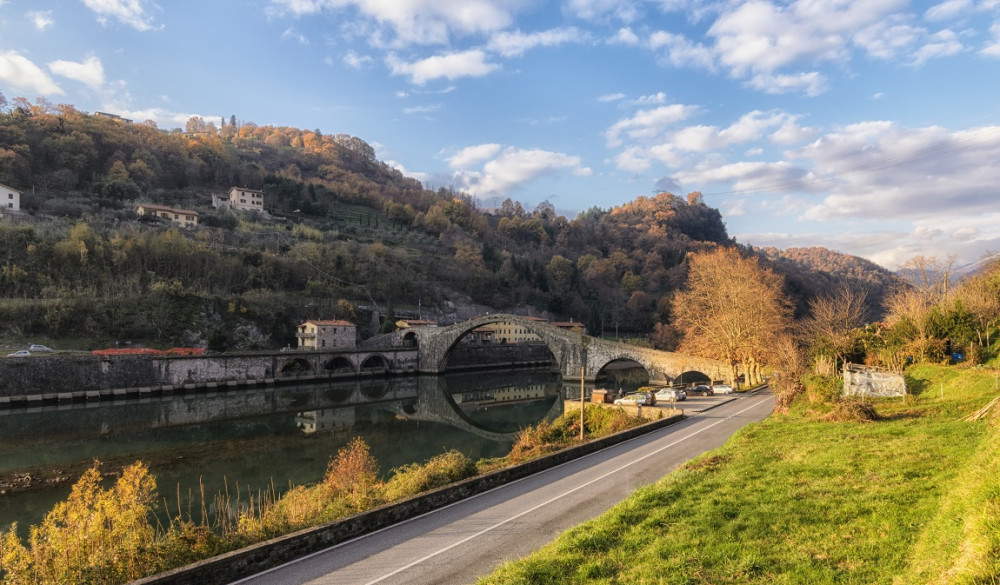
x=281, y=436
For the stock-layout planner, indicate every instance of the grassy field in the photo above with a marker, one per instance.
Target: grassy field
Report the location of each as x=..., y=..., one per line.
x=812, y=496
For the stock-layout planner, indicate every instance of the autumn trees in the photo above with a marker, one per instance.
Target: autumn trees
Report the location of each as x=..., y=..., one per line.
x=732, y=309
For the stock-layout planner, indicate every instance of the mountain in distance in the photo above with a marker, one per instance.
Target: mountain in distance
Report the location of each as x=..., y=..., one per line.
x=812, y=271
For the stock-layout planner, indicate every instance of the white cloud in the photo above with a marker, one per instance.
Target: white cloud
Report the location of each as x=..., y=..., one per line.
x=130, y=12
x=810, y=83
x=941, y=44
x=681, y=52
x=515, y=167
x=89, y=72
x=473, y=155
x=611, y=97
x=425, y=109
x=422, y=22
x=887, y=39
x=623, y=10
x=993, y=48
x=880, y=169
x=947, y=10
x=514, y=44
x=42, y=19
x=291, y=33
x=652, y=99
x=356, y=61
x=22, y=74
x=625, y=36
x=451, y=66
x=647, y=124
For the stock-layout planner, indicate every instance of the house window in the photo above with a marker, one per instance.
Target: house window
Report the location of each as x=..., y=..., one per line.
x=10, y=195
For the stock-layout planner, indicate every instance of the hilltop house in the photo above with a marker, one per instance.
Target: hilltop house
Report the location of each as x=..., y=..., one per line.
x=506, y=332
x=329, y=334
x=241, y=198
x=182, y=217
x=10, y=198
x=574, y=326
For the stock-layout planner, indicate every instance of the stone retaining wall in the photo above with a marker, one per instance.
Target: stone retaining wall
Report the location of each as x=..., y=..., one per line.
x=254, y=559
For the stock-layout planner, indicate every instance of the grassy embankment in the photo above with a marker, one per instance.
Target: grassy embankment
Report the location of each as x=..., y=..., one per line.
x=108, y=535
x=821, y=494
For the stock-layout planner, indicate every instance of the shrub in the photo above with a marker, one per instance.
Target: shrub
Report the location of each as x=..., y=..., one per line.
x=352, y=475
x=95, y=536
x=441, y=470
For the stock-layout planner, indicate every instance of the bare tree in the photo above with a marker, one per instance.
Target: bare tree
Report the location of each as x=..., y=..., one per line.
x=733, y=309
x=931, y=274
x=834, y=319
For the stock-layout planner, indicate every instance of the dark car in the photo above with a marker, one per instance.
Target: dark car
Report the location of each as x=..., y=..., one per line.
x=701, y=390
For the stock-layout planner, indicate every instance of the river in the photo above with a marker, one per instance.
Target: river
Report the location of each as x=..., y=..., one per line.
x=257, y=438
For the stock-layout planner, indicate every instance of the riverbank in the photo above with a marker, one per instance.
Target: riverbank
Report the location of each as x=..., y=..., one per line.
x=601, y=421
x=900, y=491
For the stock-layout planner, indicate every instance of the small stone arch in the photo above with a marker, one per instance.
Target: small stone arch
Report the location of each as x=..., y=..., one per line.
x=692, y=377
x=295, y=366
x=375, y=364
x=340, y=365
x=410, y=339
x=622, y=360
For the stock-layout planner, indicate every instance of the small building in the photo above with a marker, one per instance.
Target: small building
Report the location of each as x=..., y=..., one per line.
x=411, y=323
x=114, y=117
x=332, y=334
x=507, y=332
x=574, y=326
x=10, y=198
x=478, y=336
x=245, y=199
x=182, y=217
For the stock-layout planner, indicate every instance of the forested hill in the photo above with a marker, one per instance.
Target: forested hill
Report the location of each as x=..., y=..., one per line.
x=346, y=235
x=814, y=270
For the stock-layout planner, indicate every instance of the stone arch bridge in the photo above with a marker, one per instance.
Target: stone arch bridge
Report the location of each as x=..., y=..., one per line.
x=574, y=353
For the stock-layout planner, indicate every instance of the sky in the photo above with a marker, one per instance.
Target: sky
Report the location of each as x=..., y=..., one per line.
x=868, y=127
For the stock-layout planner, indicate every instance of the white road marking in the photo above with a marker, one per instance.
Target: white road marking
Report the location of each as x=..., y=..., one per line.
x=553, y=499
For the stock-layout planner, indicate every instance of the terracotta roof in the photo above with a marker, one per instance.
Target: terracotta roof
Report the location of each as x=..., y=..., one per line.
x=152, y=207
x=337, y=322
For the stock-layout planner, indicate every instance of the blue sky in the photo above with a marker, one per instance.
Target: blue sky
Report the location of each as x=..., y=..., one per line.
x=868, y=127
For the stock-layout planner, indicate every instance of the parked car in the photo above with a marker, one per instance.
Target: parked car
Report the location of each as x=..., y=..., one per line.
x=670, y=394
x=639, y=398
x=722, y=389
x=701, y=390
x=38, y=348
x=20, y=353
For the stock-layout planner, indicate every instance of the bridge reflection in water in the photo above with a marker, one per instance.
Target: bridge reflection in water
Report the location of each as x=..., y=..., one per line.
x=283, y=436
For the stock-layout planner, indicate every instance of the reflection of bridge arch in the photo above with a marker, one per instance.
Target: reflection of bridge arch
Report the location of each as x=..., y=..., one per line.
x=575, y=354
x=434, y=404
x=375, y=363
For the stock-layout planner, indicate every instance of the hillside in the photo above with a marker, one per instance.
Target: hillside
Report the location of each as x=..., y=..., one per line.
x=811, y=271
x=818, y=495
x=344, y=235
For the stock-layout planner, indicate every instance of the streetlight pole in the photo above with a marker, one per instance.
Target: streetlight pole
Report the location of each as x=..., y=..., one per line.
x=583, y=406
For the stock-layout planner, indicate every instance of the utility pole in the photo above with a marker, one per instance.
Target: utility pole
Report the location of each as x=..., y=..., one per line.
x=583, y=405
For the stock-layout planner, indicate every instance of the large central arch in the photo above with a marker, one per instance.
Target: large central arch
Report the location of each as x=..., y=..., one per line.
x=435, y=343
x=578, y=356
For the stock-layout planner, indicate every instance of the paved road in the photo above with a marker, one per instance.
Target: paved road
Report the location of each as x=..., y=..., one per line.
x=468, y=539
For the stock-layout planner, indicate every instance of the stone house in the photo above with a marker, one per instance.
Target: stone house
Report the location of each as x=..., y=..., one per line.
x=182, y=217
x=327, y=334
x=241, y=198
x=10, y=198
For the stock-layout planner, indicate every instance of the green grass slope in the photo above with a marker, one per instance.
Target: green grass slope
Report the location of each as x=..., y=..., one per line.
x=913, y=497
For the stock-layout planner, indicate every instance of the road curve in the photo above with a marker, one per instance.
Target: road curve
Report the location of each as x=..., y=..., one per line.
x=466, y=540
